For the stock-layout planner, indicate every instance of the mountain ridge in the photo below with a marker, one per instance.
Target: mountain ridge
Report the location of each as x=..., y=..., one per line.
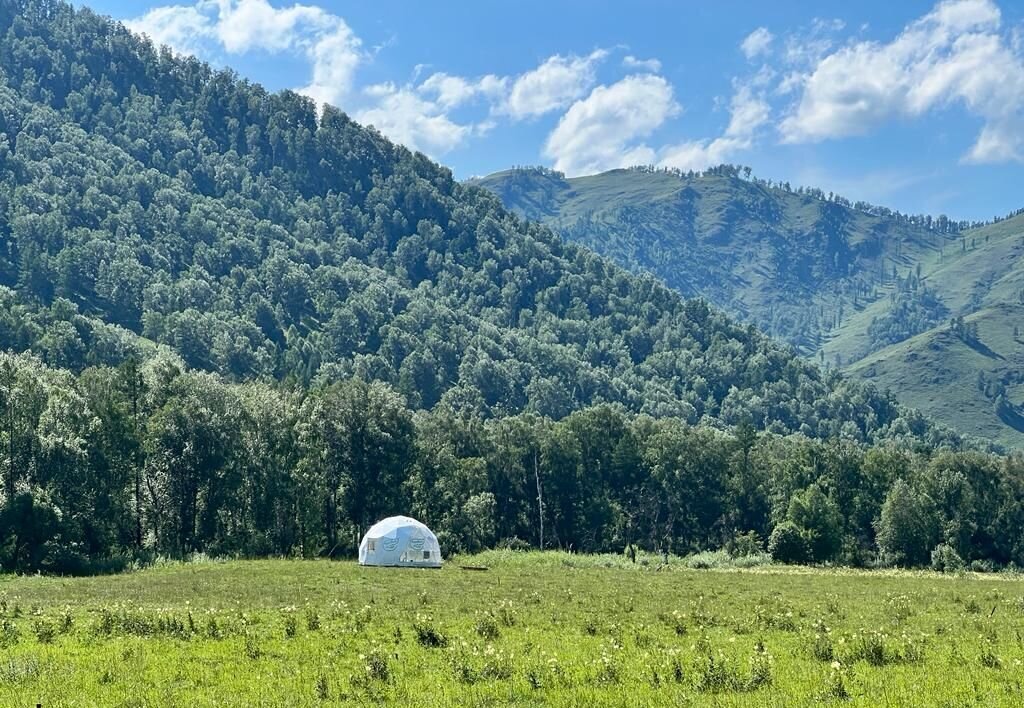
x=840, y=281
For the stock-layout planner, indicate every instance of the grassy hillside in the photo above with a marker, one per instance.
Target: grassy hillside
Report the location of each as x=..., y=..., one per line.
x=870, y=293
x=974, y=385
x=796, y=265
x=551, y=629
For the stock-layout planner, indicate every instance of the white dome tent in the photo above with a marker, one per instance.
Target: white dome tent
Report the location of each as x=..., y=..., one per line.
x=400, y=541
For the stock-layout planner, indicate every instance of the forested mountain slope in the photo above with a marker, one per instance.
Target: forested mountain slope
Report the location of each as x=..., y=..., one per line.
x=260, y=240
x=795, y=263
x=240, y=326
x=840, y=281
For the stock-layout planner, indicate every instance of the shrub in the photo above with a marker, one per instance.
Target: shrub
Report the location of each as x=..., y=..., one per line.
x=291, y=625
x=716, y=675
x=835, y=685
x=67, y=621
x=252, y=648
x=506, y=613
x=787, y=544
x=9, y=633
x=607, y=669
x=487, y=627
x=980, y=565
x=18, y=669
x=323, y=687
x=377, y=668
x=678, y=623
x=44, y=630
x=498, y=665
x=900, y=607
x=708, y=559
x=428, y=635
x=946, y=560
x=745, y=544
x=514, y=544
x=989, y=659
x=761, y=669
x=821, y=646
x=869, y=646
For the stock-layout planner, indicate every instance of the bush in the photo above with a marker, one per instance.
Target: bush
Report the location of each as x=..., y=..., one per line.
x=514, y=544
x=787, y=544
x=487, y=627
x=706, y=560
x=9, y=633
x=946, y=560
x=427, y=634
x=982, y=566
x=745, y=544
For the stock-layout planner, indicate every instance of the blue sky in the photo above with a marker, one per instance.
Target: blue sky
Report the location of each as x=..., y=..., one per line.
x=915, y=105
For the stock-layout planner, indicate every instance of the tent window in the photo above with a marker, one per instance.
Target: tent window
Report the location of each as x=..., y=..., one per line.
x=371, y=545
x=426, y=555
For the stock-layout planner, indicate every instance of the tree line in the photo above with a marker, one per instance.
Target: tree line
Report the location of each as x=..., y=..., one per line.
x=121, y=464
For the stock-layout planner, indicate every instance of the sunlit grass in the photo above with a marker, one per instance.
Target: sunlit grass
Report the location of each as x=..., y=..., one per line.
x=550, y=628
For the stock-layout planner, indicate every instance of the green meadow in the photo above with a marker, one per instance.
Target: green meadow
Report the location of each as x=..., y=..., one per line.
x=535, y=628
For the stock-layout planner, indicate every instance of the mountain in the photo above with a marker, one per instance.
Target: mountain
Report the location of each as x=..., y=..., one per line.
x=967, y=369
x=148, y=198
x=850, y=285
x=794, y=263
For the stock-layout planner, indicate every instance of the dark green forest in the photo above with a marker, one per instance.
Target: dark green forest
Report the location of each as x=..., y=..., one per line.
x=238, y=325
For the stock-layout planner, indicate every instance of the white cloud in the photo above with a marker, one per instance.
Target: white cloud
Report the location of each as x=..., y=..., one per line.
x=757, y=43
x=452, y=91
x=335, y=57
x=954, y=54
x=239, y=26
x=602, y=131
x=243, y=25
x=554, y=84
x=184, y=29
x=651, y=65
x=748, y=113
x=999, y=141
x=405, y=116
x=806, y=48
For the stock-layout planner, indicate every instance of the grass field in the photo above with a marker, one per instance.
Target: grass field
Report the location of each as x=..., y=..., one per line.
x=535, y=629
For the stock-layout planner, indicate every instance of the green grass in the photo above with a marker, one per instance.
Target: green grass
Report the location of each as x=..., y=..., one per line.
x=535, y=629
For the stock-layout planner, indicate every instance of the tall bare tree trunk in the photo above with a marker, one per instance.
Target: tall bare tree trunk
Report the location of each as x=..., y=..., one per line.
x=540, y=496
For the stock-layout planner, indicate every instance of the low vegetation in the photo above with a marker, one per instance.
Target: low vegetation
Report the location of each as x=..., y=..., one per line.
x=554, y=628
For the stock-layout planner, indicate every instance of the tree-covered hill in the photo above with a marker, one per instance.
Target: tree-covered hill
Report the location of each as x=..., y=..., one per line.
x=796, y=263
x=841, y=281
x=260, y=240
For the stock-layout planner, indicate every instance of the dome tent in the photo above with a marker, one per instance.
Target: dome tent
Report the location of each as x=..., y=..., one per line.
x=400, y=541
